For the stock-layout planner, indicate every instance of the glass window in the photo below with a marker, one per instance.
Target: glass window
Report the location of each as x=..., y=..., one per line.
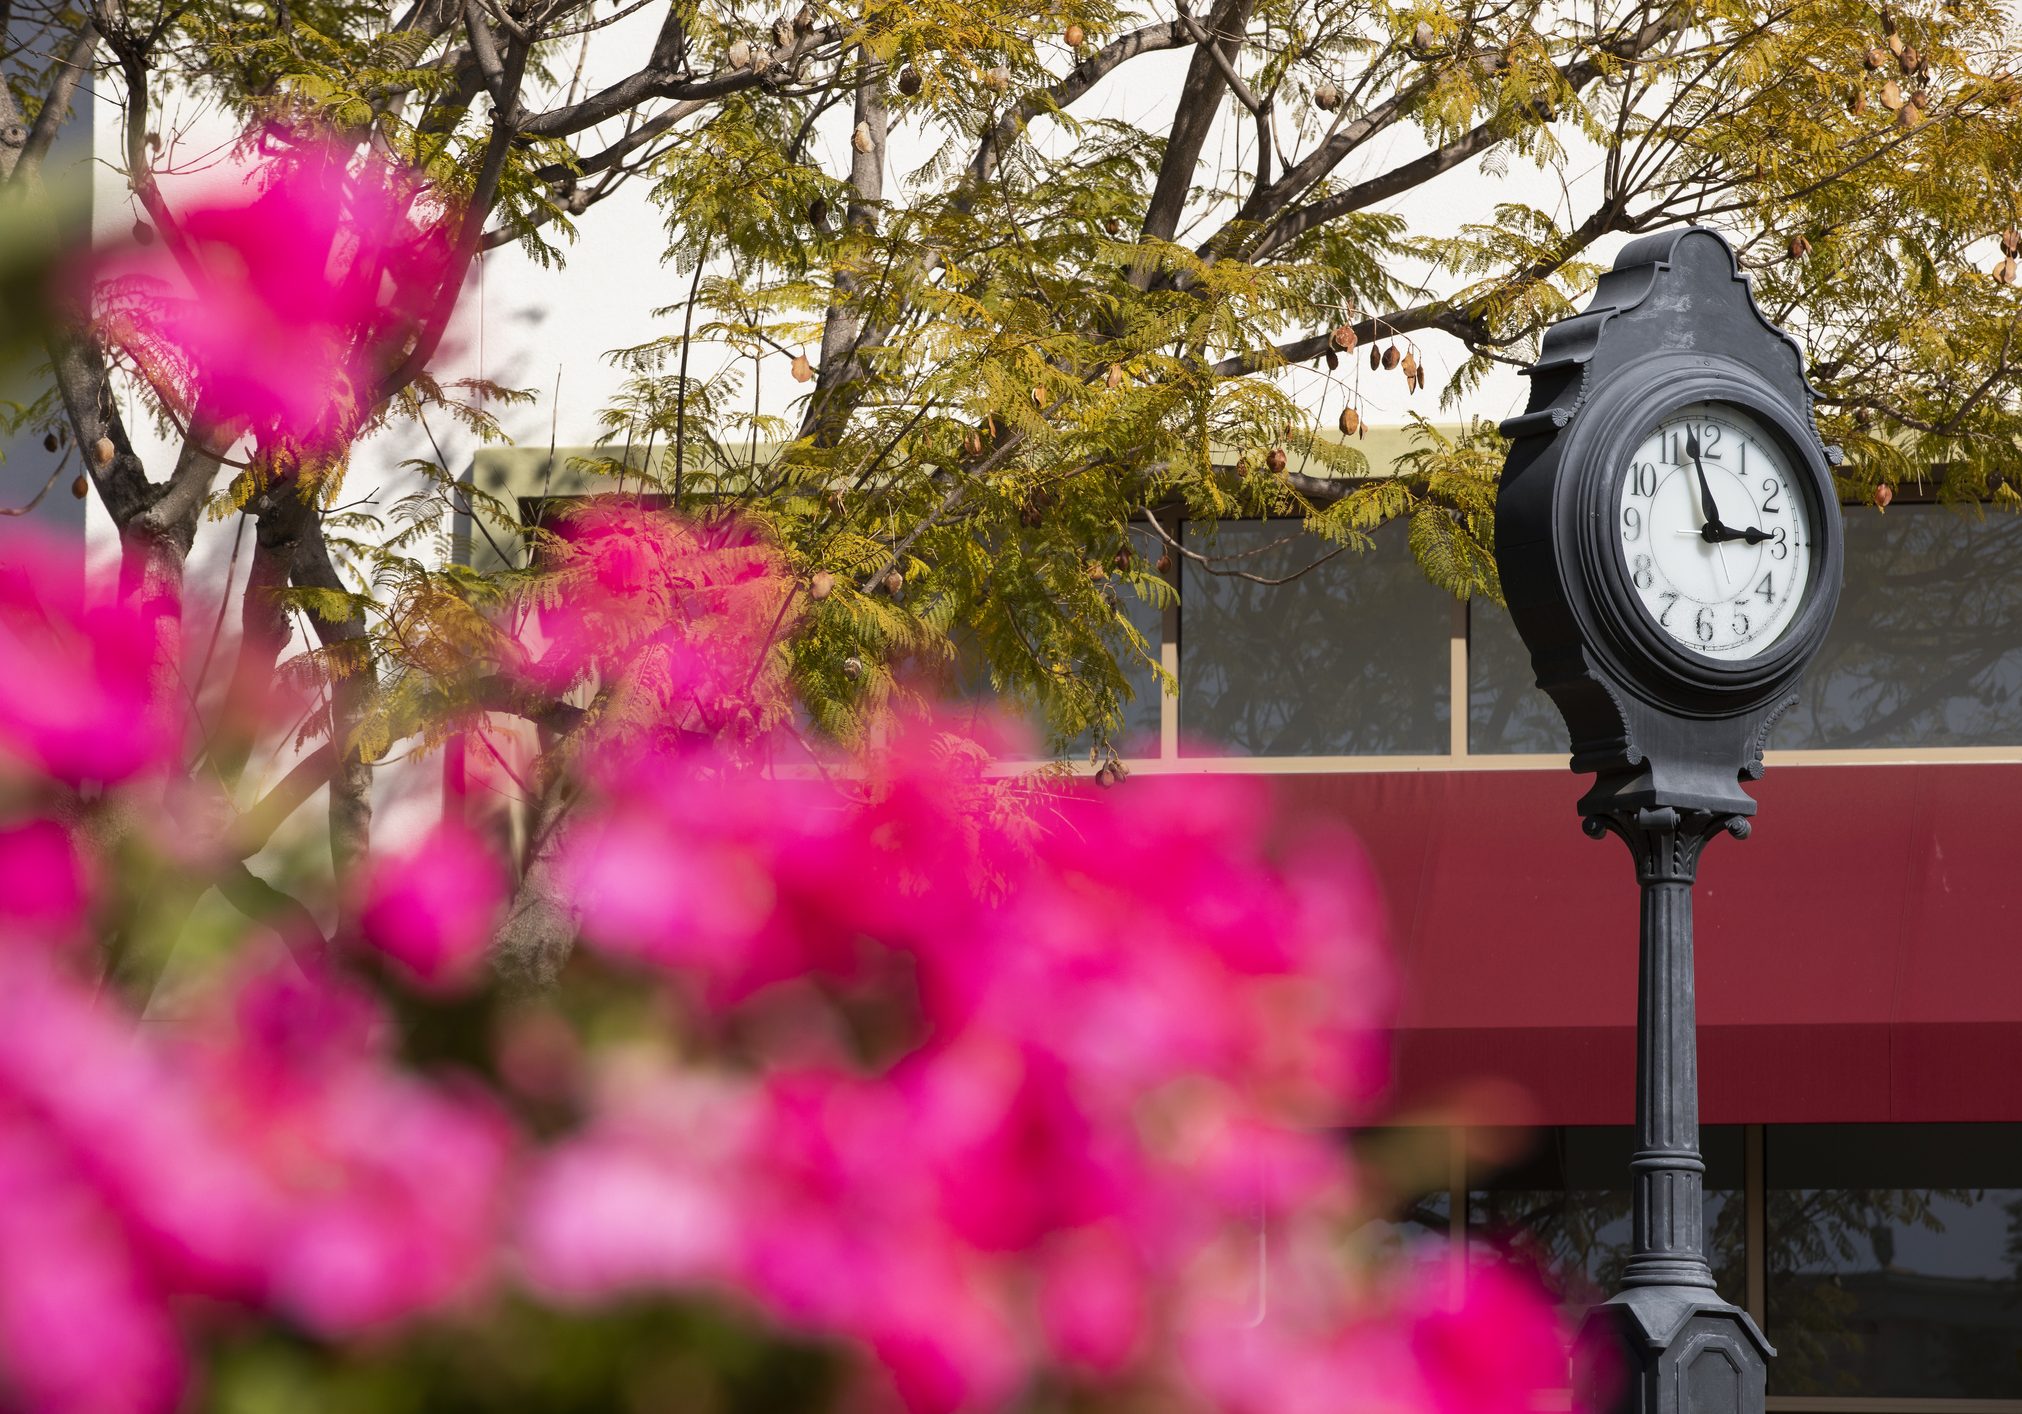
x=1507, y=713
x=1562, y=1211
x=1348, y=657
x=1893, y=1260
x=1926, y=649
x=1406, y=1172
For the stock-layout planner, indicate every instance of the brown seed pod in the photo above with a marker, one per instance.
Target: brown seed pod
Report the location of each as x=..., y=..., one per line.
x=1040, y=396
x=782, y=31
x=803, y=371
x=1074, y=36
x=1327, y=96
x=1922, y=99
x=821, y=586
x=1873, y=59
x=1422, y=36
x=909, y=81
x=861, y=139
x=1276, y=460
x=1910, y=115
x=1910, y=59
x=1409, y=363
x=1114, y=378
x=1107, y=776
x=1122, y=558
x=1332, y=360
x=895, y=583
x=143, y=234
x=972, y=445
x=1858, y=104
x=80, y=488
x=1883, y=495
x=1896, y=45
x=2011, y=242
x=49, y=442
x=1165, y=564
x=1110, y=226
x=2005, y=271
x=997, y=79
x=102, y=452
x=1892, y=96
x=817, y=212
x=1421, y=377
x=1351, y=421
x=852, y=667
x=1390, y=357
x=1799, y=246
x=1375, y=358
x=1344, y=337
x=738, y=56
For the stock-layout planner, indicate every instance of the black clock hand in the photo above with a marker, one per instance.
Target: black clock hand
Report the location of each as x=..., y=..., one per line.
x=1706, y=501
x=1721, y=534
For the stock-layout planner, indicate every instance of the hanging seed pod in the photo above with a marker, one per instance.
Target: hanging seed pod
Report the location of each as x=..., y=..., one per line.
x=821, y=586
x=895, y=583
x=1074, y=36
x=761, y=59
x=1409, y=363
x=997, y=79
x=80, y=488
x=1910, y=59
x=2005, y=271
x=1122, y=559
x=909, y=81
x=782, y=31
x=1922, y=99
x=1276, y=460
x=1375, y=358
x=1799, y=246
x=2011, y=242
x=1114, y=378
x=49, y=442
x=1344, y=338
x=1910, y=115
x=972, y=445
x=1040, y=396
x=1892, y=96
x=1331, y=359
x=102, y=453
x=1422, y=36
x=861, y=138
x=143, y=234
x=1883, y=495
x=1858, y=104
x=1327, y=97
x=738, y=56
x=817, y=212
x=1390, y=357
x=1106, y=777
x=1896, y=45
x=852, y=667
x=1165, y=564
x=803, y=371
x=1351, y=421
x=1873, y=59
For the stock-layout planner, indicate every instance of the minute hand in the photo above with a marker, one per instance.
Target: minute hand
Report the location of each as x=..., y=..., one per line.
x=1706, y=501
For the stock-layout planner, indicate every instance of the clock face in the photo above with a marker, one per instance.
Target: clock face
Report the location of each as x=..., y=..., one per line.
x=1716, y=532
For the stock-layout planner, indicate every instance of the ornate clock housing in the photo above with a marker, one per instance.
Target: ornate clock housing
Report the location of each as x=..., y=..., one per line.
x=1667, y=528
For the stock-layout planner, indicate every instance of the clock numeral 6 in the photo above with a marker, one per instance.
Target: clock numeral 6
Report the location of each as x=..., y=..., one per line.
x=1632, y=523
x=1702, y=624
x=1644, y=575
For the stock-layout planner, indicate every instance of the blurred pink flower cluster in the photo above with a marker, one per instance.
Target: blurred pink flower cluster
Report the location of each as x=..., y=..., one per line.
x=271, y=303
x=1000, y=1088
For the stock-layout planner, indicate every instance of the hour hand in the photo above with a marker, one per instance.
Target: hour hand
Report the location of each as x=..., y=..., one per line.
x=1720, y=534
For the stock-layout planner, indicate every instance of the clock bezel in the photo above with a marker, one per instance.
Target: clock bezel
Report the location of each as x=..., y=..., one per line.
x=1602, y=440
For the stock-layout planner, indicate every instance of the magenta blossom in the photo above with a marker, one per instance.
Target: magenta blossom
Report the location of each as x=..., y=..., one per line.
x=289, y=292
x=431, y=908
x=46, y=886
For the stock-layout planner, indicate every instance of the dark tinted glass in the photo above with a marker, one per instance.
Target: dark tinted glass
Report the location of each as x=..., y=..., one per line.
x=1348, y=658
x=1892, y=1261
x=1563, y=1212
x=1507, y=714
x=1926, y=649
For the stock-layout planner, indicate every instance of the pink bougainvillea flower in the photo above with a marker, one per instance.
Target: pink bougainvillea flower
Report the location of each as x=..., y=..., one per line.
x=46, y=886
x=1496, y=1348
x=77, y=700
x=292, y=289
x=431, y=908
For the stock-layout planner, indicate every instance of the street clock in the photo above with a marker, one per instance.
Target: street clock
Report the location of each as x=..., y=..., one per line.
x=1669, y=543
x=1667, y=527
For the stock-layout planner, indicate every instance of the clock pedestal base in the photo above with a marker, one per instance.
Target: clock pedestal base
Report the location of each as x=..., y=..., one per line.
x=1670, y=1350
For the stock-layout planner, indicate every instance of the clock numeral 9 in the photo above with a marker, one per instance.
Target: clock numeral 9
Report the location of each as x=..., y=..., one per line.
x=1702, y=624
x=1770, y=492
x=1643, y=478
x=1644, y=575
x=1632, y=523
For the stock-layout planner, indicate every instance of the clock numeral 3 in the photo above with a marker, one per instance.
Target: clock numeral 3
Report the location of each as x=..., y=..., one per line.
x=1779, y=548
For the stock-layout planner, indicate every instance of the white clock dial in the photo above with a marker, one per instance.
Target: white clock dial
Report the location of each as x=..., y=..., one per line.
x=1715, y=531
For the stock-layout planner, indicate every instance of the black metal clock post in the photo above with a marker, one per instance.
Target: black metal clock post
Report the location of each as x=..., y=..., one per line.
x=1668, y=730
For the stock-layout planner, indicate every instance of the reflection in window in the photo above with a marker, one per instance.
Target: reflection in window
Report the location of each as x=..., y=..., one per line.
x=1508, y=714
x=1893, y=1266
x=1350, y=658
x=1926, y=649
x=1563, y=1212
x=1405, y=1172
